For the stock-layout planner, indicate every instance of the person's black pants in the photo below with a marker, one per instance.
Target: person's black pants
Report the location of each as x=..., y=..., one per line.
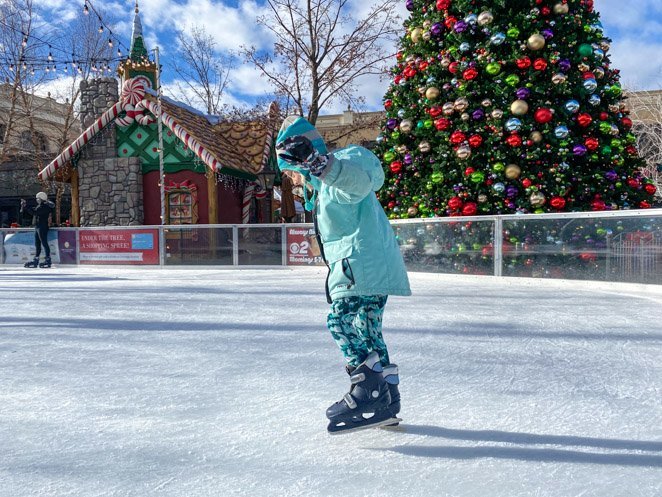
x=41, y=238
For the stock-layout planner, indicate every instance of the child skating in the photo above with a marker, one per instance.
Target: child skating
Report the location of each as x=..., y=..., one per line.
x=41, y=214
x=365, y=267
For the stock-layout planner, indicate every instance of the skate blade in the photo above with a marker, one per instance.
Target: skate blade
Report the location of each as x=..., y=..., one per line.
x=350, y=427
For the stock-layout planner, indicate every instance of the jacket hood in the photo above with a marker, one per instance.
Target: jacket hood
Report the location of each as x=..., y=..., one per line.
x=297, y=125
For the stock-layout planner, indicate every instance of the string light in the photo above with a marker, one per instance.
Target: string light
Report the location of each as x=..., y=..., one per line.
x=86, y=11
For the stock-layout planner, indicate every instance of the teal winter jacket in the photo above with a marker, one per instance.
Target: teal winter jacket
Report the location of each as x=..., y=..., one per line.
x=358, y=242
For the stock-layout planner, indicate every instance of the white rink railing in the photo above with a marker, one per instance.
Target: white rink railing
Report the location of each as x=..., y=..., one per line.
x=609, y=246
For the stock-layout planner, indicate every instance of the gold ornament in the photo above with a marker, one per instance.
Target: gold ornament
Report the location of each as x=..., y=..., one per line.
x=519, y=107
x=485, y=18
x=412, y=211
x=536, y=42
x=513, y=171
x=421, y=90
x=486, y=103
x=448, y=108
x=445, y=62
x=536, y=136
x=537, y=199
x=461, y=104
x=561, y=8
x=482, y=198
x=463, y=152
x=406, y=125
x=497, y=114
x=401, y=149
x=432, y=93
x=424, y=147
x=427, y=23
x=559, y=78
x=583, y=67
x=614, y=108
x=605, y=45
x=426, y=35
x=416, y=35
x=465, y=116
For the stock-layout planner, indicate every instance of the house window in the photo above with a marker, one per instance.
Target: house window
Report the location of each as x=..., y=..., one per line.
x=26, y=141
x=30, y=144
x=181, y=203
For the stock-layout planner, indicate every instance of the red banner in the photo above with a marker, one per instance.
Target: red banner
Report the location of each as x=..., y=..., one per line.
x=302, y=247
x=118, y=246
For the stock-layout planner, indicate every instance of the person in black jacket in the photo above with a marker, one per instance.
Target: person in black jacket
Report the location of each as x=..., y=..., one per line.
x=41, y=215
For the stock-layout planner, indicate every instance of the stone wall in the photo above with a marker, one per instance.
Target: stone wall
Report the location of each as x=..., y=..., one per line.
x=110, y=188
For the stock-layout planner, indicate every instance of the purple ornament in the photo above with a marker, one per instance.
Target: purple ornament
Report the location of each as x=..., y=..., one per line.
x=565, y=65
x=579, y=150
x=611, y=175
x=478, y=114
x=523, y=93
x=410, y=5
x=460, y=26
x=436, y=29
x=408, y=159
x=511, y=191
x=392, y=124
x=547, y=33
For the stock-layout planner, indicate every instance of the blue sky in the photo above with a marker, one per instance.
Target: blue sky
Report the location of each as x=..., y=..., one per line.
x=634, y=26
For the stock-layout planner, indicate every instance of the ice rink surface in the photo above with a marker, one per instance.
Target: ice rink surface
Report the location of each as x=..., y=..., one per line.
x=214, y=382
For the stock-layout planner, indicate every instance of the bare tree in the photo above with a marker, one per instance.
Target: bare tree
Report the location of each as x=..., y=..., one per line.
x=204, y=72
x=321, y=50
x=646, y=114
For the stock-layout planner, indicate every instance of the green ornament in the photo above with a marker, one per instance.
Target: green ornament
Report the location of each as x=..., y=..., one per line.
x=512, y=33
x=493, y=68
x=477, y=177
x=498, y=167
x=539, y=211
x=428, y=124
x=615, y=143
x=429, y=185
x=419, y=124
x=585, y=50
x=605, y=128
x=630, y=138
x=396, y=134
x=437, y=177
x=512, y=79
x=388, y=157
x=477, y=246
x=615, y=90
x=618, y=184
x=606, y=150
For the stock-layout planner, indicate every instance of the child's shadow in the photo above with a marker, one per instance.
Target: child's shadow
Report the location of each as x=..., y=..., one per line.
x=526, y=453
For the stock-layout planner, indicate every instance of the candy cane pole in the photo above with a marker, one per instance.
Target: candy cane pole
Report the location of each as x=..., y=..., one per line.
x=106, y=118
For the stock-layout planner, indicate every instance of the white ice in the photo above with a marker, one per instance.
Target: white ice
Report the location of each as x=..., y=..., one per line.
x=214, y=382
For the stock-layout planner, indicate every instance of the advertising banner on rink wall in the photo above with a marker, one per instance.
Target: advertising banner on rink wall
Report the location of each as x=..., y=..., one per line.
x=19, y=247
x=140, y=246
x=302, y=248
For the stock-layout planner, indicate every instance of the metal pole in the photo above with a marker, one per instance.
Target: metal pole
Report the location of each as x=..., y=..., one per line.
x=159, y=94
x=498, y=246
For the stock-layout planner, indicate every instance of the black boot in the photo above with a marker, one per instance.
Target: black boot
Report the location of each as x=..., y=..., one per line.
x=33, y=263
x=366, y=404
x=392, y=378
x=46, y=263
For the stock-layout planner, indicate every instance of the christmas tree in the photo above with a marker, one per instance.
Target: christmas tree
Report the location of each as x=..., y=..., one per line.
x=507, y=106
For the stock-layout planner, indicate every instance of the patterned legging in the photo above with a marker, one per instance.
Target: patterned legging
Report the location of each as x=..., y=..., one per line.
x=355, y=324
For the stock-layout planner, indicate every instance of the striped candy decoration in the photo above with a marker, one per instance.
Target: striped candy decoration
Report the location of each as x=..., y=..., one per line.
x=87, y=135
x=249, y=190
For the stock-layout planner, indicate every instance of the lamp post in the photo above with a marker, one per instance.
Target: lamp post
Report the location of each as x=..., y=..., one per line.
x=267, y=178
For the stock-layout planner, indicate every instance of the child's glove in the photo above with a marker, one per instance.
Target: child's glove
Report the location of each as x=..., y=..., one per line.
x=299, y=152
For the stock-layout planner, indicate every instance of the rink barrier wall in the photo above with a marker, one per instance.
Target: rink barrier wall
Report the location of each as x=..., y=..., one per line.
x=621, y=246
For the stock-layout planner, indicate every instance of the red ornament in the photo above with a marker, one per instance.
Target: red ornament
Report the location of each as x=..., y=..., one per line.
x=650, y=188
x=475, y=141
x=470, y=74
x=423, y=66
x=604, y=116
x=545, y=11
x=455, y=203
x=388, y=104
x=469, y=209
x=391, y=204
x=584, y=119
x=435, y=111
x=588, y=75
x=557, y=203
x=634, y=183
x=523, y=63
x=450, y=22
x=598, y=204
x=443, y=4
x=514, y=140
x=644, y=205
x=397, y=79
x=526, y=182
x=592, y=143
x=626, y=122
x=468, y=171
x=631, y=149
x=409, y=72
x=457, y=137
x=540, y=64
x=543, y=115
x=396, y=166
x=442, y=124
x=453, y=66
